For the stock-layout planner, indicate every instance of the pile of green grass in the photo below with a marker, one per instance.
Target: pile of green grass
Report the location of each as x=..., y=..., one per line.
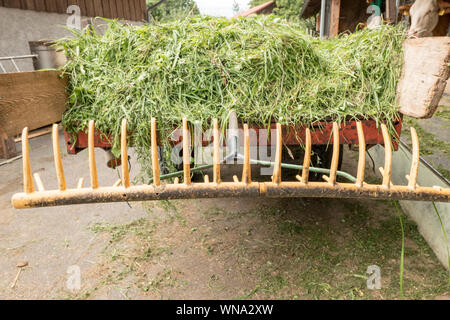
x=264, y=68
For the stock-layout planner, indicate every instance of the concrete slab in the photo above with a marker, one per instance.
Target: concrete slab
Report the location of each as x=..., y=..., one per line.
x=421, y=212
x=48, y=255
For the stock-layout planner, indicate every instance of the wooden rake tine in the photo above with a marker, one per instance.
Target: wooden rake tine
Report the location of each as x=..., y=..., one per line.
x=362, y=155
x=335, y=158
x=387, y=157
x=57, y=158
x=186, y=154
x=412, y=177
x=276, y=177
x=28, y=185
x=92, y=163
x=246, y=170
x=307, y=158
x=124, y=155
x=155, y=161
x=216, y=155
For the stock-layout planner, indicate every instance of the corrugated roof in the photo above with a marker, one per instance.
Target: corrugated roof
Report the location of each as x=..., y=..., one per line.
x=256, y=10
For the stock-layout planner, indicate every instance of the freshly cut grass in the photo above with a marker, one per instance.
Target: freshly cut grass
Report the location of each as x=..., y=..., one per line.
x=264, y=68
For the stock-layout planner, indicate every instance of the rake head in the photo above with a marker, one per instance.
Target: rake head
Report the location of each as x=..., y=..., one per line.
x=122, y=190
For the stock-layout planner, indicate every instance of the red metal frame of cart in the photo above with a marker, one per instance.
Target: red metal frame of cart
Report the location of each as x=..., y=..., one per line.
x=292, y=135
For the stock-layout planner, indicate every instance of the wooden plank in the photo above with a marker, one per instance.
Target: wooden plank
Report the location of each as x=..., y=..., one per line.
x=12, y=4
x=40, y=5
x=7, y=146
x=29, y=5
x=31, y=99
x=424, y=75
x=50, y=6
x=140, y=11
x=106, y=9
x=143, y=10
x=61, y=6
x=126, y=11
x=113, y=8
x=90, y=9
x=132, y=16
x=334, y=17
x=36, y=133
x=137, y=9
x=98, y=8
x=120, y=10
x=82, y=5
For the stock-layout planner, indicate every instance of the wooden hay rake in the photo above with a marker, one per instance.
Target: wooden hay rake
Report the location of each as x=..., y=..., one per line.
x=122, y=190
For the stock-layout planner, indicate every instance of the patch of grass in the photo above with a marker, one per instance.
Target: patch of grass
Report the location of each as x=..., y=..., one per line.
x=330, y=261
x=130, y=249
x=248, y=295
x=444, y=171
x=443, y=112
x=165, y=278
x=289, y=227
x=141, y=227
x=314, y=256
x=428, y=141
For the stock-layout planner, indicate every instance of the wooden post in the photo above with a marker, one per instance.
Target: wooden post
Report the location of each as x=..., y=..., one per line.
x=7, y=146
x=390, y=11
x=334, y=17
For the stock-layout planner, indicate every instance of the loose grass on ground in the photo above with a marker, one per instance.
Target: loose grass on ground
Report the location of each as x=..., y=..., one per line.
x=286, y=250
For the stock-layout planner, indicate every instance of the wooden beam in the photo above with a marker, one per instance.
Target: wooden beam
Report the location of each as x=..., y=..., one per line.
x=113, y=9
x=40, y=5
x=90, y=9
x=143, y=9
x=7, y=146
x=29, y=5
x=98, y=8
x=120, y=10
x=61, y=6
x=132, y=16
x=391, y=9
x=31, y=99
x=50, y=6
x=334, y=17
x=82, y=5
x=126, y=11
x=106, y=9
x=12, y=4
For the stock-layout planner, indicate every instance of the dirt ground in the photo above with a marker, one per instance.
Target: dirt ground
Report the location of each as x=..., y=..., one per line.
x=208, y=249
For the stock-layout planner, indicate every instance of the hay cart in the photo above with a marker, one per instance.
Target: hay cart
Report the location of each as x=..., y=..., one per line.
x=423, y=81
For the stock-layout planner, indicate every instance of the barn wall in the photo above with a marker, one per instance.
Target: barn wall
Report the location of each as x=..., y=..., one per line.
x=134, y=10
x=19, y=27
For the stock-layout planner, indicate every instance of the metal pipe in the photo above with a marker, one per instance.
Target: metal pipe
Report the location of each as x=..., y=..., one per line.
x=343, y=174
x=19, y=57
x=322, y=18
